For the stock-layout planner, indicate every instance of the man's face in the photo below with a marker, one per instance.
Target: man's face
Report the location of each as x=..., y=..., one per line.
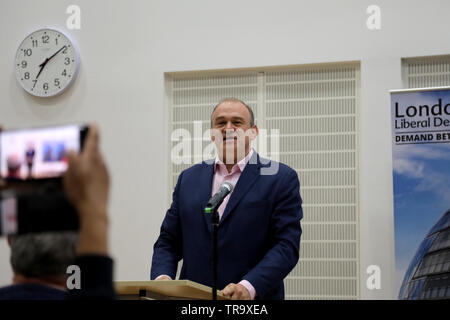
x=231, y=131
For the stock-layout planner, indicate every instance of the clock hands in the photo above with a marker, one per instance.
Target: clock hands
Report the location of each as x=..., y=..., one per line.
x=56, y=53
x=42, y=65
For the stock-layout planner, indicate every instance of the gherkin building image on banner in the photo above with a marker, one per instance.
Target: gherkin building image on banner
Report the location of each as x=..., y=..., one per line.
x=428, y=275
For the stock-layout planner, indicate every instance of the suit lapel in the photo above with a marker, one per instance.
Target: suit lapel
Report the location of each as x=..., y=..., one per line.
x=246, y=180
x=206, y=180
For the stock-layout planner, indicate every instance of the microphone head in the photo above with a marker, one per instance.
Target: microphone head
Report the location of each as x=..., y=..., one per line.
x=227, y=185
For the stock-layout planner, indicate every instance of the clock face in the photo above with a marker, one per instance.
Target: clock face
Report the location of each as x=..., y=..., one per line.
x=46, y=63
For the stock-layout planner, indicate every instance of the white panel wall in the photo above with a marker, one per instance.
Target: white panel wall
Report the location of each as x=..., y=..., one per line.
x=126, y=46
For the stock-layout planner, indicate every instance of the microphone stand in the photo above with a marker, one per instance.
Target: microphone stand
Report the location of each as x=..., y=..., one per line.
x=211, y=207
x=215, y=225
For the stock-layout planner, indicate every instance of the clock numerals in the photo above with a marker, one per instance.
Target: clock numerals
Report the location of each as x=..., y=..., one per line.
x=33, y=68
x=45, y=39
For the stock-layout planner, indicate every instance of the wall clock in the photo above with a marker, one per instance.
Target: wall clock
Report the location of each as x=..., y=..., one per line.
x=46, y=63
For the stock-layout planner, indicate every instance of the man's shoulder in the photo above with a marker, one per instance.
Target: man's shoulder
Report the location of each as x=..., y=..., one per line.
x=197, y=167
x=31, y=291
x=195, y=171
x=266, y=166
x=275, y=168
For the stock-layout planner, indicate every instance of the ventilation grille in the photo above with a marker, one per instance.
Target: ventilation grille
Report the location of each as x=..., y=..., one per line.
x=427, y=72
x=315, y=111
x=191, y=103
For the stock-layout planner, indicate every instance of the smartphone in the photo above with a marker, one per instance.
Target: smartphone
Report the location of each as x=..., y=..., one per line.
x=26, y=212
x=36, y=154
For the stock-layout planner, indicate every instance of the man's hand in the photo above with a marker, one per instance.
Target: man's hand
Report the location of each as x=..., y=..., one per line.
x=163, y=277
x=86, y=183
x=236, y=292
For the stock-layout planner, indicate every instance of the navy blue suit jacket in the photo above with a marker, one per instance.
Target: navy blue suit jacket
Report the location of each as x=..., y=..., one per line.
x=258, y=235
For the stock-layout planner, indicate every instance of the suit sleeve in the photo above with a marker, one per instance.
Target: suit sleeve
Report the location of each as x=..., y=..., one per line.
x=167, y=251
x=285, y=234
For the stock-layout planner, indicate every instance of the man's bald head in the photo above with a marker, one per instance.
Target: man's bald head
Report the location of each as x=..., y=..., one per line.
x=251, y=115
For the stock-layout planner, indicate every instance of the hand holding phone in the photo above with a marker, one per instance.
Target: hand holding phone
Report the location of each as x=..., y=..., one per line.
x=37, y=206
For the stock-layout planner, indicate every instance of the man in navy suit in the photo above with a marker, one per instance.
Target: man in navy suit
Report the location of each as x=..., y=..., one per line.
x=259, y=229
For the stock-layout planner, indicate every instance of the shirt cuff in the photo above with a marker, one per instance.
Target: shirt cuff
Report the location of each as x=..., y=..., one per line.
x=163, y=275
x=250, y=288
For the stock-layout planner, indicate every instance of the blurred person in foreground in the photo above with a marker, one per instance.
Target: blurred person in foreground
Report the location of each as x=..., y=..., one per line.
x=40, y=260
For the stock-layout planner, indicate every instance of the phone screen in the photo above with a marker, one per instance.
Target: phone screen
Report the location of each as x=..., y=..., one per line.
x=37, y=153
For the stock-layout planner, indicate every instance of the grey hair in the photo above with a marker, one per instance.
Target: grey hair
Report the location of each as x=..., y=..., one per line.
x=252, y=116
x=43, y=254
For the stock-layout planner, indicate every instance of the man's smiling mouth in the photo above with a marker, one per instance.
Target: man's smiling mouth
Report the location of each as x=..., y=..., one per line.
x=229, y=138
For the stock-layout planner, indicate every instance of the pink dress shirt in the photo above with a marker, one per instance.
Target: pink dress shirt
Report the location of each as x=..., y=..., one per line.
x=221, y=174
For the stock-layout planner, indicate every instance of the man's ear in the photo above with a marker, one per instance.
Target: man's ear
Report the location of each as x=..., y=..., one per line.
x=254, y=131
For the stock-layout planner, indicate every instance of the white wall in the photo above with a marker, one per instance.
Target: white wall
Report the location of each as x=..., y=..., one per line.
x=126, y=46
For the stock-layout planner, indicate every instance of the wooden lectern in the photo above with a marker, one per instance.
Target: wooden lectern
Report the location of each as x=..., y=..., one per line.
x=164, y=290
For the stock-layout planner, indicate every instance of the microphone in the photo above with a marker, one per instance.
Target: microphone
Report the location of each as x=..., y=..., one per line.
x=217, y=199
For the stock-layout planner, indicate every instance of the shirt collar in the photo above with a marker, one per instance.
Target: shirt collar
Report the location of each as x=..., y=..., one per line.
x=241, y=164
